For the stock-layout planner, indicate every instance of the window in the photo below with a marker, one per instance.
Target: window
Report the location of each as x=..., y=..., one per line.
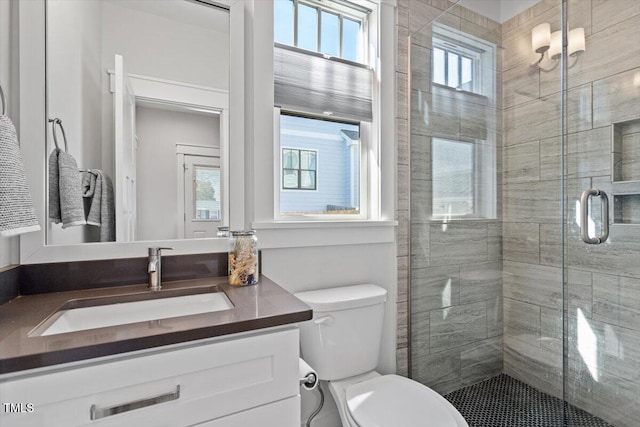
x=330, y=28
x=298, y=169
x=453, y=69
x=324, y=101
x=463, y=178
x=463, y=168
x=320, y=166
x=462, y=61
x=207, y=192
x=453, y=177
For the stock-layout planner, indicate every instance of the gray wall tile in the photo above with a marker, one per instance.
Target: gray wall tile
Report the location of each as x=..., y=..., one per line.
x=522, y=321
x=615, y=99
x=533, y=284
x=434, y=287
x=521, y=242
x=480, y=282
x=458, y=243
x=439, y=371
x=481, y=360
x=457, y=325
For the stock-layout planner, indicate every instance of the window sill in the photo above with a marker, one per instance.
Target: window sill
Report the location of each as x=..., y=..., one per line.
x=291, y=234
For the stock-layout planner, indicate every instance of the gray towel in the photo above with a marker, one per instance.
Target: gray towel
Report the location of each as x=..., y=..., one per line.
x=97, y=187
x=65, y=194
x=17, y=214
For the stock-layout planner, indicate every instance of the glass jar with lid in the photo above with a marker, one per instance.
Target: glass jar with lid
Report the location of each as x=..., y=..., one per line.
x=243, y=258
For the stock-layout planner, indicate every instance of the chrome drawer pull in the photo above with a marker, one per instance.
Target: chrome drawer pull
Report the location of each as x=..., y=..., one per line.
x=97, y=413
x=584, y=216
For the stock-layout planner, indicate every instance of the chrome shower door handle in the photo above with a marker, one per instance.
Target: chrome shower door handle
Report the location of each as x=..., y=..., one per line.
x=584, y=216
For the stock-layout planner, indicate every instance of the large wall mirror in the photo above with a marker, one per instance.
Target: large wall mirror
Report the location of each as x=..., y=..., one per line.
x=138, y=120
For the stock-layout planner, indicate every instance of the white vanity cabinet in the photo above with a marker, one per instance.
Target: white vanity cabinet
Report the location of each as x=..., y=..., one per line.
x=248, y=379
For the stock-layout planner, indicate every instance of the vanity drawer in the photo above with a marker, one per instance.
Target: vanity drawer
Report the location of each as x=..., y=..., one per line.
x=195, y=383
x=285, y=413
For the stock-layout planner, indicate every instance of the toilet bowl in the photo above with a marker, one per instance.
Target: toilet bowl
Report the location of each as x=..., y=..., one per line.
x=374, y=400
x=342, y=342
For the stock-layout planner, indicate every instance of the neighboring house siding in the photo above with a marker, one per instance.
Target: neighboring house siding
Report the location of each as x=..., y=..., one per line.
x=332, y=172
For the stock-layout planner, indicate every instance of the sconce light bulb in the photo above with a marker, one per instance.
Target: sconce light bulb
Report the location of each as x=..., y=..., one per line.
x=541, y=38
x=555, y=50
x=576, y=42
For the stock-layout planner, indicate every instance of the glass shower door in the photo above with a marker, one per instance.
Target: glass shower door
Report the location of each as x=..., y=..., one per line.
x=602, y=235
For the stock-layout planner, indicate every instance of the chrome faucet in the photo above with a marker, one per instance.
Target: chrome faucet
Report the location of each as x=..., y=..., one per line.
x=155, y=268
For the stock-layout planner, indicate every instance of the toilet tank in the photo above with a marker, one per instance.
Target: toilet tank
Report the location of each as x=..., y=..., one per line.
x=343, y=338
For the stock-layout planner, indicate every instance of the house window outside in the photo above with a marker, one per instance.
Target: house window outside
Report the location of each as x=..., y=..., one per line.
x=320, y=167
x=330, y=28
x=299, y=169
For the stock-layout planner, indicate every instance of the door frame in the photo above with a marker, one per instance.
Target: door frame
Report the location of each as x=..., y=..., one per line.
x=186, y=97
x=183, y=150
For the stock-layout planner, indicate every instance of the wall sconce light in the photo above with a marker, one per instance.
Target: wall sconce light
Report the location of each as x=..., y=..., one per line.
x=544, y=41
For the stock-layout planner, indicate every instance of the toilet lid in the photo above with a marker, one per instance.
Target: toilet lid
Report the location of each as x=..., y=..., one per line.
x=391, y=400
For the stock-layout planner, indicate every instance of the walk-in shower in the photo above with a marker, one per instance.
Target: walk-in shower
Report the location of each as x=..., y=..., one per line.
x=524, y=160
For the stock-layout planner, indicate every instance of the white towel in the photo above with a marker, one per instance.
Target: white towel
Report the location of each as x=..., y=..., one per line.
x=65, y=193
x=17, y=214
x=97, y=187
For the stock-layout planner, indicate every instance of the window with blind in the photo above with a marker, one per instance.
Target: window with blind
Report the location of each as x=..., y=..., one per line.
x=323, y=92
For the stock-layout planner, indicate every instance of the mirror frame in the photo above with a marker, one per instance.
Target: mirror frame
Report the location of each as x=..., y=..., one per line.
x=32, y=128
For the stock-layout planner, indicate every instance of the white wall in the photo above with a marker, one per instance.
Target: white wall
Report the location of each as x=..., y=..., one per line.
x=74, y=75
x=158, y=133
x=165, y=48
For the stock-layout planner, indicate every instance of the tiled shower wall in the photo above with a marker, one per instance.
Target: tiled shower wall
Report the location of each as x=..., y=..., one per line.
x=603, y=291
x=454, y=267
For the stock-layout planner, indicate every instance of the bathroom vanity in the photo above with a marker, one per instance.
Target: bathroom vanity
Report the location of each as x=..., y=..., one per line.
x=235, y=366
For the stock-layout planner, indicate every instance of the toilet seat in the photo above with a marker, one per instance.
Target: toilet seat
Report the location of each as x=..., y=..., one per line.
x=391, y=400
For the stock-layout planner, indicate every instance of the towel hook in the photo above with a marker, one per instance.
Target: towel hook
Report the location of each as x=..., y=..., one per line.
x=58, y=122
x=4, y=102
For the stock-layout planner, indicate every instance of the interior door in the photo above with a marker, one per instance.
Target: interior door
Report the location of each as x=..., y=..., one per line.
x=125, y=143
x=202, y=196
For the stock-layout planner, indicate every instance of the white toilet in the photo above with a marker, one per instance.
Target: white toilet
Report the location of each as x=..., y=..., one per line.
x=342, y=343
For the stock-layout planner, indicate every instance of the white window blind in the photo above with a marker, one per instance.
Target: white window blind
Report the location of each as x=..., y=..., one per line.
x=309, y=82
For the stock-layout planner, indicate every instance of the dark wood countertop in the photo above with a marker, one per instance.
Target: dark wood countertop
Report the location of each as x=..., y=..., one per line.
x=255, y=307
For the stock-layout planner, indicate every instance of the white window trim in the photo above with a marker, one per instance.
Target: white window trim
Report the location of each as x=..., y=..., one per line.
x=483, y=52
x=262, y=202
x=486, y=60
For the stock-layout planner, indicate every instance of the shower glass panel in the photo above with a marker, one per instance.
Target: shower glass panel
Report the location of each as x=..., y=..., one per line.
x=525, y=206
x=602, y=146
x=456, y=139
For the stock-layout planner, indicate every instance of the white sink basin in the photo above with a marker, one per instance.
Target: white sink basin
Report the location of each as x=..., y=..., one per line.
x=113, y=311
